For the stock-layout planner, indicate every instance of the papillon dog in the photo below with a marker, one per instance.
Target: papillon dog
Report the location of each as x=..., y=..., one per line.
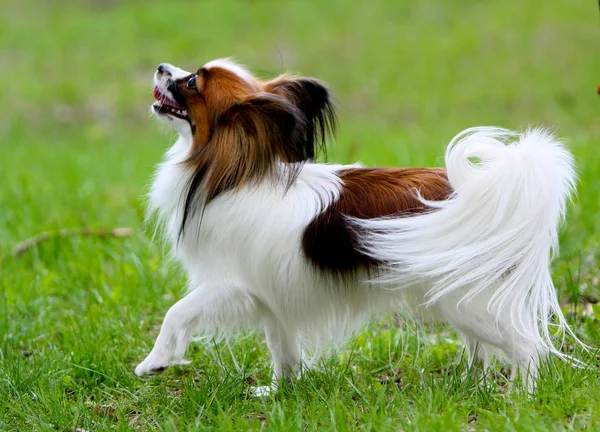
x=305, y=252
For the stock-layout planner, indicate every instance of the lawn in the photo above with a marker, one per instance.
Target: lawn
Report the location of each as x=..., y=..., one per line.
x=78, y=149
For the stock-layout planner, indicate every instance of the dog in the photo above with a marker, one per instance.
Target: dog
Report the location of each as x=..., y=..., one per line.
x=307, y=252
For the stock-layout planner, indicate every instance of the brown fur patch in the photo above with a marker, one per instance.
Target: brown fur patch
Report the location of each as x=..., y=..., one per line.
x=331, y=244
x=217, y=89
x=313, y=99
x=245, y=143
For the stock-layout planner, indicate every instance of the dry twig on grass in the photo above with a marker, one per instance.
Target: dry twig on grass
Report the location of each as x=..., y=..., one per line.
x=88, y=232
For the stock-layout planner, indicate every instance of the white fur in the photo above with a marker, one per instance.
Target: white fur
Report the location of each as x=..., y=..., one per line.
x=246, y=267
x=231, y=66
x=486, y=251
x=480, y=262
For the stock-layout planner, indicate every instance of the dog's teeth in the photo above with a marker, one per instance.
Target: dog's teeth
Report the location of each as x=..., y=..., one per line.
x=170, y=109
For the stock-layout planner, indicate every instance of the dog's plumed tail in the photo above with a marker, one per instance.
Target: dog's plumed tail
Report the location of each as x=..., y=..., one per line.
x=494, y=237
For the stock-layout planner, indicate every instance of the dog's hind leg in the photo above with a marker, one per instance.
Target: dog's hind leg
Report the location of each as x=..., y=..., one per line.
x=484, y=329
x=209, y=306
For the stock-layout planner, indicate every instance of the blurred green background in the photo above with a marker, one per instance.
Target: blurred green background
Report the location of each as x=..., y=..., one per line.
x=78, y=148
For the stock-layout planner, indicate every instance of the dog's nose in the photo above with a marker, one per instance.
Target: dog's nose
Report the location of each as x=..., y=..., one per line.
x=162, y=68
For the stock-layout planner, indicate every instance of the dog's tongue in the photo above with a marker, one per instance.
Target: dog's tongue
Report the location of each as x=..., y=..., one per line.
x=165, y=100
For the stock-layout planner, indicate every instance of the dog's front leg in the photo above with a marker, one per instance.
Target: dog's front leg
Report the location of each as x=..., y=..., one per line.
x=210, y=306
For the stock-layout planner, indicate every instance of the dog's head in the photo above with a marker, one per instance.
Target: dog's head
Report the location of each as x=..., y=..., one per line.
x=223, y=104
x=241, y=128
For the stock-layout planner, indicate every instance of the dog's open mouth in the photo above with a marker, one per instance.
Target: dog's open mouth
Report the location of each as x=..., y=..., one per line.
x=166, y=105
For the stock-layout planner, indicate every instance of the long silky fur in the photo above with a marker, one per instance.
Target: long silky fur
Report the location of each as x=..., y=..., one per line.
x=498, y=229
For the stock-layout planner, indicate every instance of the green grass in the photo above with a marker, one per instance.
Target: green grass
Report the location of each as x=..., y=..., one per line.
x=78, y=149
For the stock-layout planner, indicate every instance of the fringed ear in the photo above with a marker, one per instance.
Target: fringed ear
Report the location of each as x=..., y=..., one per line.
x=311, y=97
x=245, y=145
x=266, y=127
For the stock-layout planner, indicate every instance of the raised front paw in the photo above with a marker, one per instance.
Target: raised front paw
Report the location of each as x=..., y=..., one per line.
x=155, y=364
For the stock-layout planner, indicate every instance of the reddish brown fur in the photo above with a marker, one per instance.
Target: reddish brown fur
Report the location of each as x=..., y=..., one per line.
x=217, y=90
x=332, y=244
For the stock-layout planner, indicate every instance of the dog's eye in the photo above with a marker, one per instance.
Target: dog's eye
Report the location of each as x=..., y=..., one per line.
x=191, y=84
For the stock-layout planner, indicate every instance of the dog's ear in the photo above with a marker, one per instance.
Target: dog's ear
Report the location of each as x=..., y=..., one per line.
x=313, y=99
x=264, y=127
x=246, y=142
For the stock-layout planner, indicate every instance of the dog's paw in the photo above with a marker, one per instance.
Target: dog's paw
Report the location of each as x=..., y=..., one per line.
x=155, y=365
x=262, y=391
